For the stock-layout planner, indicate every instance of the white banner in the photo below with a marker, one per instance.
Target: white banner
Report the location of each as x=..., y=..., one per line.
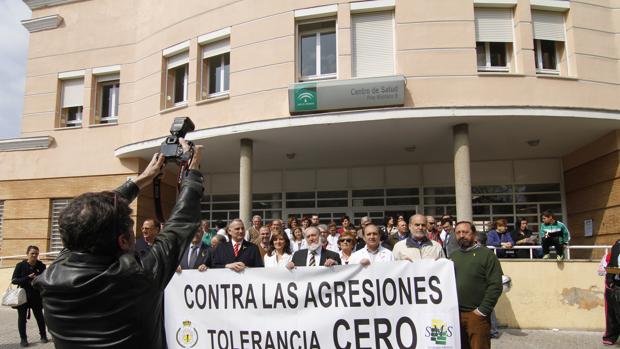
x=385, y=305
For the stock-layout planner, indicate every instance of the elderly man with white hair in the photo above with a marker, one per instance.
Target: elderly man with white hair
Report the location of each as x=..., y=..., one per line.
x=315, y=254
x=417, y=246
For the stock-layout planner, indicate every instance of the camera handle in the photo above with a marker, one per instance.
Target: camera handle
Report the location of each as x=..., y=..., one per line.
x=183, y=169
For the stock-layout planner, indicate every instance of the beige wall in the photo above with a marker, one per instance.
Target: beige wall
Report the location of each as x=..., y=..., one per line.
x=592, y=184
x=549, y=295
x=435, y=50
x=544, y=295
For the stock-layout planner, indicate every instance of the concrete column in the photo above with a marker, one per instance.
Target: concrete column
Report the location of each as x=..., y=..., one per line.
x=245, y=181
x=462, y=174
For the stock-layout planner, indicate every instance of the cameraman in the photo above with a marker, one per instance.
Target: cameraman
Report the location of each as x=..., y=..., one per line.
x=100, y=293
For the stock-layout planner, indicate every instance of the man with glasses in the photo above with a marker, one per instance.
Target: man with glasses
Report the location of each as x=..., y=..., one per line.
x=432, y=231
x=315, y=255
x=417, y=246
x=150, y=229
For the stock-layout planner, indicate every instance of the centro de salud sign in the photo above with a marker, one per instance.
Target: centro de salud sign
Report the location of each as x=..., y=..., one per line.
x=359, y=93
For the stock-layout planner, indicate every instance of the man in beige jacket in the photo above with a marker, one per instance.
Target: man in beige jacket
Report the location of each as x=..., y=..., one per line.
x=417, y=246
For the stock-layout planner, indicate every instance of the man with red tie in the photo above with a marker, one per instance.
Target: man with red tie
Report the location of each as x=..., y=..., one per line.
x=237, y=254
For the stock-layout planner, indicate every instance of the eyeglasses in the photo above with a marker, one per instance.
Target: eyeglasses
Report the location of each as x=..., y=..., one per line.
x=346, y=240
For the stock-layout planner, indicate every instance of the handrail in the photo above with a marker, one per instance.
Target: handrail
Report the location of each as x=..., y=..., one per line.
x=567, y=248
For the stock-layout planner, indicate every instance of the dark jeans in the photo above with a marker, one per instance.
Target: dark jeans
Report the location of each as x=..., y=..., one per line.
x=612, y=313
x=553, y=241
x=22, y=313
x=475, y=331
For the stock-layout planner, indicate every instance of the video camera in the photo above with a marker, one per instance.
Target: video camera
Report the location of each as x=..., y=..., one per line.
x=171, y=149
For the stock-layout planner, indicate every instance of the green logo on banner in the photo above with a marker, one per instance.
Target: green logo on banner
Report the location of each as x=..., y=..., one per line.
x=305, y=97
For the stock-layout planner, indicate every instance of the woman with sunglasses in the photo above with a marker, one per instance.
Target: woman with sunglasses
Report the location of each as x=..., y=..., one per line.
x=346, y=242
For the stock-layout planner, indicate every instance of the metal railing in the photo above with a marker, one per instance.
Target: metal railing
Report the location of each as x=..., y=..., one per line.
x=567, y=248
x=23, y=256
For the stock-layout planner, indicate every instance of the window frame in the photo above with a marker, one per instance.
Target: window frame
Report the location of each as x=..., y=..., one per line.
x=317, y=51
x=206, y=73
x=487, y=52
x=113, y=118
x=170, y=83
x=539, y=60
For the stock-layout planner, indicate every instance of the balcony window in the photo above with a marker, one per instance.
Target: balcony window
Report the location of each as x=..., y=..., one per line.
x=216, y=69
x=71, y=104
x=177, y=70
x=317, y=50
x=494, y=37
x=108, y=92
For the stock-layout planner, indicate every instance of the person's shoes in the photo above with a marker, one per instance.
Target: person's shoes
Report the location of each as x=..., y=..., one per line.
x=546, y=256
x=494, y=335
x=23, y=343
x=44, y=340
x=608, y=342
x=560, y=258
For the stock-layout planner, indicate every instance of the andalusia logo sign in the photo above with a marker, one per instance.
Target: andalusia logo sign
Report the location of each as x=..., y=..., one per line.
x=305, y=97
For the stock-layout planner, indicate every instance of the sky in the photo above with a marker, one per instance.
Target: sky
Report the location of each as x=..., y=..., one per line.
x=13, y=56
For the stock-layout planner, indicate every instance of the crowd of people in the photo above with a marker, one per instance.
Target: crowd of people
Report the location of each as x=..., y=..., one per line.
x=105, y=289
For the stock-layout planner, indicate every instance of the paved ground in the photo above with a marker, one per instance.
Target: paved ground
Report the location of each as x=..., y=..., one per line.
x=509, y=339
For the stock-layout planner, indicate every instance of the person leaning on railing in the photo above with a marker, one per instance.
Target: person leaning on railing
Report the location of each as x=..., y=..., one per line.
x=99, y=293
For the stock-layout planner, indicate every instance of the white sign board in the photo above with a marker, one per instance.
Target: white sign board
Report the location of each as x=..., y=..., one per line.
x=587, y=227
x=390, y=305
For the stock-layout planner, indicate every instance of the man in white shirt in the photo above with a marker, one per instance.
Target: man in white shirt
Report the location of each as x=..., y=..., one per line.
x=373, y=252
x=332, y=238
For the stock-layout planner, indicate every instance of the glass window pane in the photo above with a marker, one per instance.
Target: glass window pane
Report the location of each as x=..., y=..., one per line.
x=498, y=54
x=491, y=198
x=481, y=209
x=219, y=216
x=179, y=83
x=439, y=191
x=537, y=197
x=368, y=192
x=503, y=209
x=536, y=54
x=548, y=54
x=487, y=189
x=481, y=54
x=332, y=194
x=527, y=209
x=436, y=211
x=215, y=70
x=445, y=200
x=402, y=201
x=298, y=204
x=537, y=187
x=226, y=206
x=105, y=101
x=402, y=192
x=308, y=55
x=269, y=196
x=226, y=71
x=368, y=202
x=328, y=53
x=300, y=195
x=332, y=203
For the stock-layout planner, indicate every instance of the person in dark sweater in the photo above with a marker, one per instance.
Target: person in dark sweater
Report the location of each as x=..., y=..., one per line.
x=478, y=286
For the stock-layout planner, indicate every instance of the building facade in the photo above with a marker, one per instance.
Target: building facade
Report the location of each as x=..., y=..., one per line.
x=481, y=109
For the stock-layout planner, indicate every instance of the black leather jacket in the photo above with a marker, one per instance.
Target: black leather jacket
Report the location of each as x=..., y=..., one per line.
x=93, y=301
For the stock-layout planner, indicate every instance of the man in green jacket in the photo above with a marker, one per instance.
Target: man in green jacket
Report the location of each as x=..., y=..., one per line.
x=478, y=286
x=553, y=233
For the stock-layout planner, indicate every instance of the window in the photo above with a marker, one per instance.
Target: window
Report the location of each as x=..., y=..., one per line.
x=108, y=88
x=1, y=217
x=216, y=69
x=71, y=102
x=317, y=50
x=176, y=79
x=55, y=241
x=493, y=38
x=548, y=41
x=372, y=44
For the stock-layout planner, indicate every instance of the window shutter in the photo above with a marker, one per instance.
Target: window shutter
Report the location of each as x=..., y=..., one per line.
x=548, y=25
x=72, y=93
x=216, y=48
x=178, y=60
x=372, y=44
x=108, y=77
x=55, y=241
x=493, y=24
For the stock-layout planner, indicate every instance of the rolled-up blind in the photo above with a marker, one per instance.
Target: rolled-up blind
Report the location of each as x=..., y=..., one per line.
x=493, y=24
x=55, y=240
x=372, y=44
x=548, y=25
x=72, y=93
x=216, y=48
x=177, y=60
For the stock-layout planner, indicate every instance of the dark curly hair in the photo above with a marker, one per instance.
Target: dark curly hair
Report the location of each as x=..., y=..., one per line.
x=92, y=223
